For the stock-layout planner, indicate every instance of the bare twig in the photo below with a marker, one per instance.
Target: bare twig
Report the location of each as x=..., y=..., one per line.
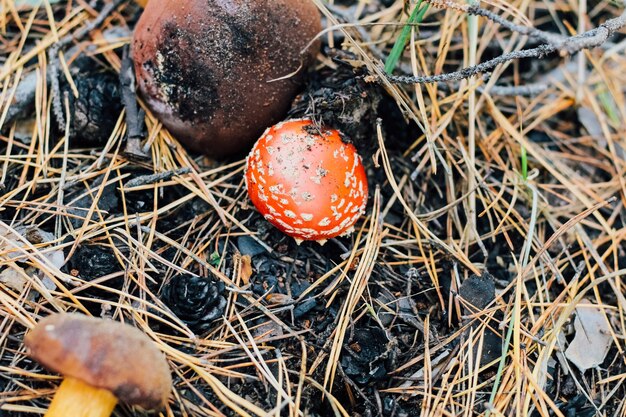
x=467, y=72
x=527, y=90
x=555, y=43
x=151, y=179
x=134, y=115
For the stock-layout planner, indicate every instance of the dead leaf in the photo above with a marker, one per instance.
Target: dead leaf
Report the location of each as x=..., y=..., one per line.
x=592, y=340
x=278, y=298
x=15, y=279
x=246, y=269
x=590, y=122
x=267, y=330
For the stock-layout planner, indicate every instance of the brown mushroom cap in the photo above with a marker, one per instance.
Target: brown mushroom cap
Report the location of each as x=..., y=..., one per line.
x=104, y=354
x=204, y=66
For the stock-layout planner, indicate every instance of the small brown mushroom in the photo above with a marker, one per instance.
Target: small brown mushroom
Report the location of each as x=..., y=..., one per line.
x=218, y=72
x=102, y=361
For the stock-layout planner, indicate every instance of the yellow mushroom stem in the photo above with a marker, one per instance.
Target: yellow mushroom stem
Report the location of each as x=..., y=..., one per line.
x=77, y=399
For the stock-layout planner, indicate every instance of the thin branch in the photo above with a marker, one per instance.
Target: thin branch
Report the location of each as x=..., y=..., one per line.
x=154, y=178
x=134, y=114
x=533, y=32
x=554, y=43
x=528, y=90
x=467, y=72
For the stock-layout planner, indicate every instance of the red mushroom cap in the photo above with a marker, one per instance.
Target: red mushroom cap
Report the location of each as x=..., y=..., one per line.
x=309, y=184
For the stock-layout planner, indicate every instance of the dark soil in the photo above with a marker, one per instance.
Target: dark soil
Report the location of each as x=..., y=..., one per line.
x=202, y=291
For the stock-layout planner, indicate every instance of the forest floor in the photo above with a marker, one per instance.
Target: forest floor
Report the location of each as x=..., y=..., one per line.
x=487, y=278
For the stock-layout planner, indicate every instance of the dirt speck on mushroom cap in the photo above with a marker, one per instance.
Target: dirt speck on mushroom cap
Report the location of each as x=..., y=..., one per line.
x=104, y=354
x=204, y=66
x=311, y=186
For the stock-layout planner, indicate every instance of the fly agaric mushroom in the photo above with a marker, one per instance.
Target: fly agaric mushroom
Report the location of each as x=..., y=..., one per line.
x=310, y=184
x=217, y=73
x=103, y=361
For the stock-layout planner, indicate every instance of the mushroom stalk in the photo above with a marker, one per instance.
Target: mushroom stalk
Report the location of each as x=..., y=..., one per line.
x=78, y=399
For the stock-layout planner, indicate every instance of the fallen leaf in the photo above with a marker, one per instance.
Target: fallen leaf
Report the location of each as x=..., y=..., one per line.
x=278, y=298
x=267, y=330
x=15, y=279
x=592, y=340
x=590, y=122
x=246, y=269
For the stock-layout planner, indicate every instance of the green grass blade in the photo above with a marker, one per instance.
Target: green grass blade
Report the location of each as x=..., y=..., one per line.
x=524, y=164
x=416, y=17
x=505, y=353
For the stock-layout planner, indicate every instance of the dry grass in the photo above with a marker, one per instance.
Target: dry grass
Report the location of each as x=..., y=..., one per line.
x=562, y=228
